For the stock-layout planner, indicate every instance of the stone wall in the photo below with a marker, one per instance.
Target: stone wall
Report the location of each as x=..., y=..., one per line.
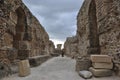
x=109, y=25
x=70, y=47
x=98, y=28
x=21, y=31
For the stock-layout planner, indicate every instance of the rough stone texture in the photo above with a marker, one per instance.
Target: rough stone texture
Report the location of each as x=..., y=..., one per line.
x=103, y=65
x=24, y=68
x=21, y=33
x=70, y=47
x=101, y=72
x=101, y=58
x=4, y=69
x=98, y=28
x=117, y=69
x=83, y=64
x=85, y=74
x=36, y=61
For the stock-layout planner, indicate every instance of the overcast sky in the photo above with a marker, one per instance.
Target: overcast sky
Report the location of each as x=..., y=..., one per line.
x=58, y=17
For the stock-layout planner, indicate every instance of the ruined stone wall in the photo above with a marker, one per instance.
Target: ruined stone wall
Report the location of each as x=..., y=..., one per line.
x=98, y=27
x=108, y=19
x=21, y=32
x=70, y=47
x=82, y=28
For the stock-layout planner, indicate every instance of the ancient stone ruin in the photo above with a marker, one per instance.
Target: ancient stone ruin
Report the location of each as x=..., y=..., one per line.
x=98, y=30
x=22, y=38
x=21, y=34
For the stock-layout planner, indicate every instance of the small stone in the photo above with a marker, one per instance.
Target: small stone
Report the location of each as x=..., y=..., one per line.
x=85, y=74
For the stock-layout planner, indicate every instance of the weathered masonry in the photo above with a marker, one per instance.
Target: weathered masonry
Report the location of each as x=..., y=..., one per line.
x=21, y=34
x=98, y=29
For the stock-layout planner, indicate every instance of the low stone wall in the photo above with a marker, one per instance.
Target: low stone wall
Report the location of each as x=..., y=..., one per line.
x=38, y=60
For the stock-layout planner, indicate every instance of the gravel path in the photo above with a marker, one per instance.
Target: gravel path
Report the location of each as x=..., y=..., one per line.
x=58, y=68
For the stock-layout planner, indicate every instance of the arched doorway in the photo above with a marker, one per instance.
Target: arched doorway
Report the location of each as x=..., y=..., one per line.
x=93, y=30
x=20, y=41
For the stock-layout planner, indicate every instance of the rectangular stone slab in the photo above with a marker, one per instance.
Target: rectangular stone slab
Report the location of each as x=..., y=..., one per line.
x=101, y=58
x=101, y=72
x=103, y=65
x=24, y=68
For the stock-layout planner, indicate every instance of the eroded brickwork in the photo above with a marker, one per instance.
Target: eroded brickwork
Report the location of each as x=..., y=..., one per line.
x=21, y=33
x=98, y=28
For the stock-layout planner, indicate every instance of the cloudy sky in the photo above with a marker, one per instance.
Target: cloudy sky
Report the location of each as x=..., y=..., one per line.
x=58, y=17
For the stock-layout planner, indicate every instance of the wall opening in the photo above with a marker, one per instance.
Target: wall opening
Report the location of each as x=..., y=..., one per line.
x=93, y=30
x=20, y=41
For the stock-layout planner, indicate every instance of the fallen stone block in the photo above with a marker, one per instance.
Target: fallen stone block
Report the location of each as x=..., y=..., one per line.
x=101, y=72
x=102, y=65
x=101, y=58
x=85, y=74
x=24, y=68
x=36, y=61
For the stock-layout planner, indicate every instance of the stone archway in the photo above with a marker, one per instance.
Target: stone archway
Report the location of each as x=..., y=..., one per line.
x=93, y=30
x=20, y=41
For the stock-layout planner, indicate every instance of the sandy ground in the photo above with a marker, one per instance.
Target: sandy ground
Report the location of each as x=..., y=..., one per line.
x=58, y=68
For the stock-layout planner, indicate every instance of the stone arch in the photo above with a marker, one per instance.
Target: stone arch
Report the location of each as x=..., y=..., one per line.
x=20, y=41
x=21, y=25
x=93, y=30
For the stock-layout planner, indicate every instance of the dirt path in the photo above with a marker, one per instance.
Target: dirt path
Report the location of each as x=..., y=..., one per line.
x=57, y=68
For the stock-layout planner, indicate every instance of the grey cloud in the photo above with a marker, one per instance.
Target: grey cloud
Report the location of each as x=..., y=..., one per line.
x=57, y=16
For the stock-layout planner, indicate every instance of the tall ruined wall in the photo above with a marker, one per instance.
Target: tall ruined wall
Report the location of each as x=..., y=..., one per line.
x=70, y=46
x=87, y=29
x=20, y=32
x=98, y=27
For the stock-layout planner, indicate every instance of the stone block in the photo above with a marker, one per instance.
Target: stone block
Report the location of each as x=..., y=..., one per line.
x=12, y=54
x=102, y=65
x=24, y=68
x=36, y=61
x=23, y=54
x=101, y=58
x=101, y=72
x=24, y=45
x=83, y=65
